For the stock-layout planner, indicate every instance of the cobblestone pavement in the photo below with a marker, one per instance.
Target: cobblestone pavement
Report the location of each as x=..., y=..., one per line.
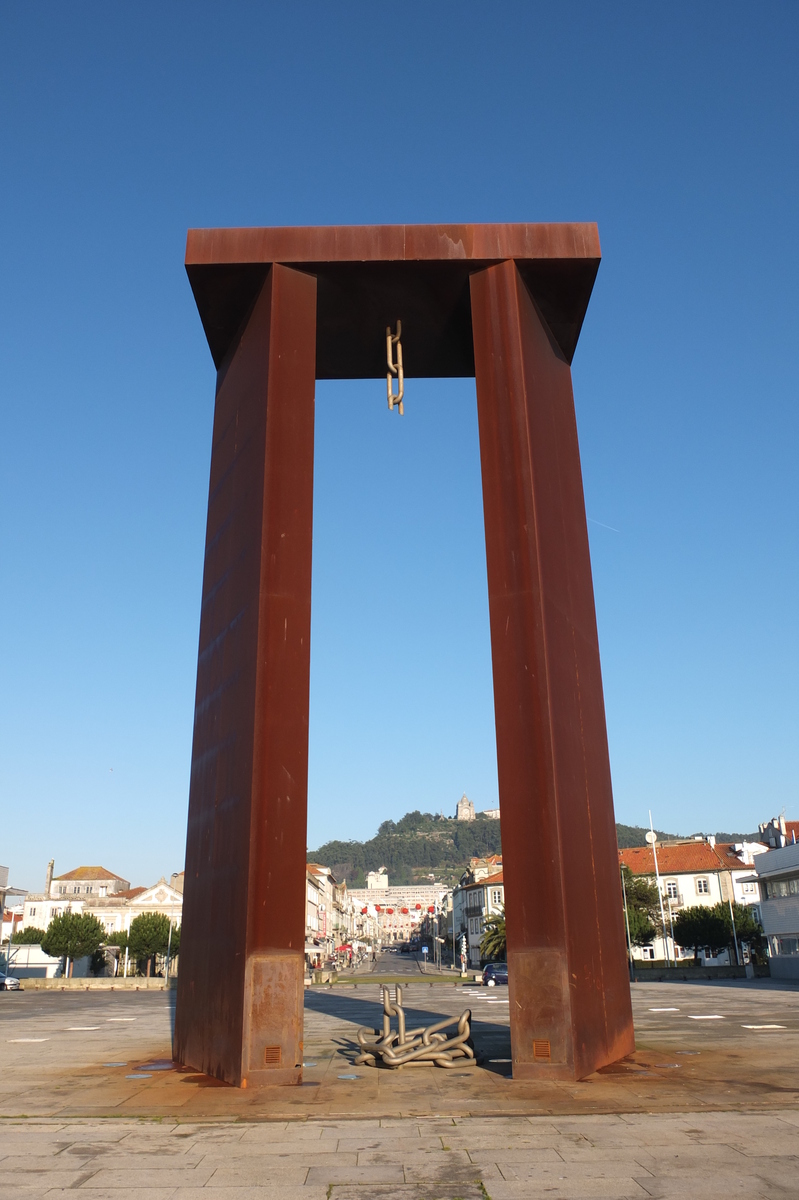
x=640, y=1155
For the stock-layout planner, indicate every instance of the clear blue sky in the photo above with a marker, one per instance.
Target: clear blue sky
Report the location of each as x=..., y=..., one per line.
x=674, y=126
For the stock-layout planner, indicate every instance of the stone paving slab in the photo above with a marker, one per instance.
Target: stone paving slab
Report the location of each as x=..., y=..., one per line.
x=725, y=1122
x=654, y=1155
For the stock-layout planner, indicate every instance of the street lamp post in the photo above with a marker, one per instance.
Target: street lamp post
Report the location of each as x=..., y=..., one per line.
x=650, y=837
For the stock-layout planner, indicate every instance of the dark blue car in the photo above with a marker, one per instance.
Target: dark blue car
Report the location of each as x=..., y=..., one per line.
x=495, y=972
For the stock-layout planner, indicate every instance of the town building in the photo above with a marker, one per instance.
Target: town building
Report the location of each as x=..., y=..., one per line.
x=474, y=901
x=778, y=880
x=105, y=895
x=85, y=881
x=480, y=868
x=397, y=912
x=491, y=813
x=778, y=832
x=695, y=871
x=333, y=910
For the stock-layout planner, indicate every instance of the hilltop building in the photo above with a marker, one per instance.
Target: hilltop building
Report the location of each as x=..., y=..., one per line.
x=464, y=809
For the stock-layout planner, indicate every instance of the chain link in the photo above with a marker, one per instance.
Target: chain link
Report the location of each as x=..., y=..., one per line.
x=394, y=369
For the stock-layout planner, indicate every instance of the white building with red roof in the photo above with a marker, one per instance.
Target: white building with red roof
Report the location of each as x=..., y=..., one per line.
x=106, y=895
x=697, y=871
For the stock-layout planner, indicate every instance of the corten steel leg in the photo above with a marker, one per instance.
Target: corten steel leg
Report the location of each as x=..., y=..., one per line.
x=240, y=988
x=570, y=1007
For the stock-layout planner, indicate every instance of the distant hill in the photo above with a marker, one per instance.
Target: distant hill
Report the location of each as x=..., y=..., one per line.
x=419, y=842
x=422, y=842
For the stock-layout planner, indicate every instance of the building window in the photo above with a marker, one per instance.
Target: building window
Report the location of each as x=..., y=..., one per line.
x=62, y=891
x=749, y=887
x=496, y=896
x=703, y=887
x=76, y=891
x=789, y=945
x=649, y=951
x=671, y=889
x=31, y=912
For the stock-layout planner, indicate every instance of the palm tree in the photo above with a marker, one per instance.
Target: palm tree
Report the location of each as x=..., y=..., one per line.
x=492, y=945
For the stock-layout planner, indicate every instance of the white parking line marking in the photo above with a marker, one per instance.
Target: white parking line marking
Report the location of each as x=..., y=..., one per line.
x=27, y=1039
x=715, y=1017
x=763, y=1027
x=664, y=1010
x=81, y=1028
x=113, y=1019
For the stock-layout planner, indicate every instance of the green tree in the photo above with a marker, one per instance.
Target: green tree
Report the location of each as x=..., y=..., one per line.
x=30, y=936
x=642, y=931
x=701, y=927
x=493, y=944
x=117, y=939
x=748, y=930
x=73, y=935
x=149, y=935
x=643, y=907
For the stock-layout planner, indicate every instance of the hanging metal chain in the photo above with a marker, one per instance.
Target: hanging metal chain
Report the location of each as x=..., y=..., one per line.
x=394, y=369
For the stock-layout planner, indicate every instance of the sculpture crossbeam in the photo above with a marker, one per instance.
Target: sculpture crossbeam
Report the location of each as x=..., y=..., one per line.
x=427, y=1046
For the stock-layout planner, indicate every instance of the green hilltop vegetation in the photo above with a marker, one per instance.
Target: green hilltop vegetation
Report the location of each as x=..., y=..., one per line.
x=420, y=843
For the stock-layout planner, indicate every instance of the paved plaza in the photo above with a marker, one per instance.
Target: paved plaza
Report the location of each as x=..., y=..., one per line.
x=708, y=1105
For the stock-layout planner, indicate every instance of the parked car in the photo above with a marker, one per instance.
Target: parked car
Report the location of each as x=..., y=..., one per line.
x=494, y=973
x=8, y=983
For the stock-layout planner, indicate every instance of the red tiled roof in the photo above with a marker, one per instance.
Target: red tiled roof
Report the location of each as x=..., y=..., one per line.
x=672, y=860
x=488, y=881
x=89, y=873
x=792, y=827
x=683, y=860
x=129, y=895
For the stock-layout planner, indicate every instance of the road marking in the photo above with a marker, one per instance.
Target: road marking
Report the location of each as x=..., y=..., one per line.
x=27, y=1039
x=714, y=1017
x=114, y=1019
x=664, y=1010
x=763, y=1027
x=81, y=1028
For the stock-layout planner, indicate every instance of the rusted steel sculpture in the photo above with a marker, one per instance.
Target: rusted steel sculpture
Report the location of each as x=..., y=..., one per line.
x=281, y=308
x=428, y=1046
